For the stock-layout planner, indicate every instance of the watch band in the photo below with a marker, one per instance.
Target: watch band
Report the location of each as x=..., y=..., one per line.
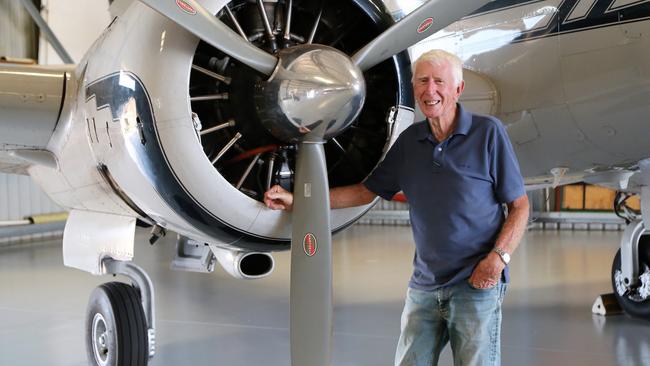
x=505, y=257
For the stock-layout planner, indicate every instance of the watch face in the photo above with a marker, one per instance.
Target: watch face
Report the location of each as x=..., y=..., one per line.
x=505, y=257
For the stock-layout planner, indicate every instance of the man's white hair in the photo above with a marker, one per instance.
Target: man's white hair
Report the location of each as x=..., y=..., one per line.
x=440, y=57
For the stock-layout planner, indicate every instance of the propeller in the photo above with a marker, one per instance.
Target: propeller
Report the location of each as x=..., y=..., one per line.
x=315, y=93
x=194, y=18
x=413, y=28
x=426, y=20
x=311, y=259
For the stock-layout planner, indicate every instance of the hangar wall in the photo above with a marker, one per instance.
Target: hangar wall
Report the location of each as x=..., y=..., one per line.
x=77, y=24
x=21, y=197
x=18, y=36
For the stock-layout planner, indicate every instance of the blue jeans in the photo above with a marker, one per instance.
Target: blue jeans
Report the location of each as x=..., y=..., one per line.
x=468, y=318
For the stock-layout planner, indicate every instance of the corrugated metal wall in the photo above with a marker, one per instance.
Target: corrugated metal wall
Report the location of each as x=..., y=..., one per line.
x=20, y=197
x=18, y=35
x=387, y=213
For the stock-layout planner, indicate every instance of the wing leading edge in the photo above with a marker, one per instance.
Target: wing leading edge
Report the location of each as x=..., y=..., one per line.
x=31, y=101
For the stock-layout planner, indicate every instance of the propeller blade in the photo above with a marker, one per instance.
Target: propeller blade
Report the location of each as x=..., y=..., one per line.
x=311, y=260
x=426, y=20
x=193, y=17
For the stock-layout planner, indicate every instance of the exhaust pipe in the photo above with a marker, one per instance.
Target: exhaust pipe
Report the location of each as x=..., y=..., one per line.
x=244, y=265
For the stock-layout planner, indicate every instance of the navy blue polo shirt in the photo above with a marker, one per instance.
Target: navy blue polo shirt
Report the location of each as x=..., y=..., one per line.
x=455, y=189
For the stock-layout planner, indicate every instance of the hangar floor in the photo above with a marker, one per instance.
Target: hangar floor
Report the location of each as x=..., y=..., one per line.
x=215, y=319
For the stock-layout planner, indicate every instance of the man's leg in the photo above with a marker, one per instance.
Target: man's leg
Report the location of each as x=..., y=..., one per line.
x=424, y=332
x=475, y=324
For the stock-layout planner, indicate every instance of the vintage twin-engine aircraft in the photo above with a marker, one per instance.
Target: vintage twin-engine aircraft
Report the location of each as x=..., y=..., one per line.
x=183, y=113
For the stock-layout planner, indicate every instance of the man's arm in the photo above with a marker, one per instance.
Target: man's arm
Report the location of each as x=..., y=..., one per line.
x=277, y=198
x=488, y=271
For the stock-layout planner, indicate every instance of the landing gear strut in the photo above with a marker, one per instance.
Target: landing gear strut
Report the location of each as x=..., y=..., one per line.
x=120, y=327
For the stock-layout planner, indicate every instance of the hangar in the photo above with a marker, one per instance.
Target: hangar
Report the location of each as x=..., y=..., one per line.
x=167, y=122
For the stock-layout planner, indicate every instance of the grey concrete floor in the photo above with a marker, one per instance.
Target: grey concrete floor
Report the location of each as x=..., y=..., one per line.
x=213, y=319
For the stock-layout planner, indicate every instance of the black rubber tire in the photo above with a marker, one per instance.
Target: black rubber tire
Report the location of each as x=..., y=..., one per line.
x=117, y=307
x=633, y=308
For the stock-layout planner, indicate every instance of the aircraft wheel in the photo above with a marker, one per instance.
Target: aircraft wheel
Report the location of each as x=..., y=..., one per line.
x=116, y=327
x=634, y=302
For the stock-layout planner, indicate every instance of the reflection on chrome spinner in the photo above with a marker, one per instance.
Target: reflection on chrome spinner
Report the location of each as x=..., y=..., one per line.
x=314, y=87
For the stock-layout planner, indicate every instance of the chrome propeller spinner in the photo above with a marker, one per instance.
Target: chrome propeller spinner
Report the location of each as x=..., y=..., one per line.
x=314, y=93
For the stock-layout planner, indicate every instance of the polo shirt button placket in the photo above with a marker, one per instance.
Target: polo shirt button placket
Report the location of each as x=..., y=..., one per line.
x=438, y=156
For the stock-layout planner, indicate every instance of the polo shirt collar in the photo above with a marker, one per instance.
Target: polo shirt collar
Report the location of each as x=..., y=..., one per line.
x=462, y=127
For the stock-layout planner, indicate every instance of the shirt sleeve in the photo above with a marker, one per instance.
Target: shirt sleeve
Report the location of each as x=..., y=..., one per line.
x=504, y=168
x=384, y=179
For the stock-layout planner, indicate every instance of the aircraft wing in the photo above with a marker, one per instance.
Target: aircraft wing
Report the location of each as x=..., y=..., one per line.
x=11, y=165
x=618, y=179
x=31, y=101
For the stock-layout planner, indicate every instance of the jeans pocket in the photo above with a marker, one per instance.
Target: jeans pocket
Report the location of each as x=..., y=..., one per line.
x=469, y=284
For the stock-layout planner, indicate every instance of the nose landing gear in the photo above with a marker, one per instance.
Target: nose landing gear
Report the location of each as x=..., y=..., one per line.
x=120, y=319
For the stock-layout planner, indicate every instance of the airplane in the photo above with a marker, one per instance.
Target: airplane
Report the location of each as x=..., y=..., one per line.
x=184, y=112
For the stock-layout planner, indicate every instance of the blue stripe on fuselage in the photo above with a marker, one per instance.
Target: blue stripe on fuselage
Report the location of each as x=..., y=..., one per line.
x=602, y=14
x=110, y=92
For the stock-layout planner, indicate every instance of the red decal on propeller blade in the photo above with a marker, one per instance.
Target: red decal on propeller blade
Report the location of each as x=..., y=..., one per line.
x=425, y=25
x=186, y=7
x=309, y=244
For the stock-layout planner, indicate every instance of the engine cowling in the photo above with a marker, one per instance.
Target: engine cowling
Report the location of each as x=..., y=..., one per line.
x=173, y=124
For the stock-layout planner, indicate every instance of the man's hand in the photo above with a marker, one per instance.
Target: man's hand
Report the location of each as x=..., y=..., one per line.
x=487, y=272
x=278, y=198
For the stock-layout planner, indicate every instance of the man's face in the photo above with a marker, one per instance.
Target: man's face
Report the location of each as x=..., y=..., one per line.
x=436, y=90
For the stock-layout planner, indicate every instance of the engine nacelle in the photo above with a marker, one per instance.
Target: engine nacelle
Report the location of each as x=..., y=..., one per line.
x=243, y=264
x=165, y=128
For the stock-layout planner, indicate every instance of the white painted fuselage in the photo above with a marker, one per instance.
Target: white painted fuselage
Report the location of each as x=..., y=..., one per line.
x=571, y=80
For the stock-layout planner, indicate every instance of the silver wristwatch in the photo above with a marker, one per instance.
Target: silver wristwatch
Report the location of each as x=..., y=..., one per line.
x=505, y=257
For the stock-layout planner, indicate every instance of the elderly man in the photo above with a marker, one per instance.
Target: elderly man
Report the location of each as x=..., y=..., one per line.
x=457, y=169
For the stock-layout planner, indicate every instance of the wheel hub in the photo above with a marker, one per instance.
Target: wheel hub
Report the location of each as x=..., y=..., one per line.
x=638, y=294
x=621, y=288
x=100, y=346
x=314, y=89
x=644, y=289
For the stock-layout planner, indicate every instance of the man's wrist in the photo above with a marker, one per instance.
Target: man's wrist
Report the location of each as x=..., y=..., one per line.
x=503, y=255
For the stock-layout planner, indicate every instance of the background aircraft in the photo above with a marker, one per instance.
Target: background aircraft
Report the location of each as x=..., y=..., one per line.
x=159, y=126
